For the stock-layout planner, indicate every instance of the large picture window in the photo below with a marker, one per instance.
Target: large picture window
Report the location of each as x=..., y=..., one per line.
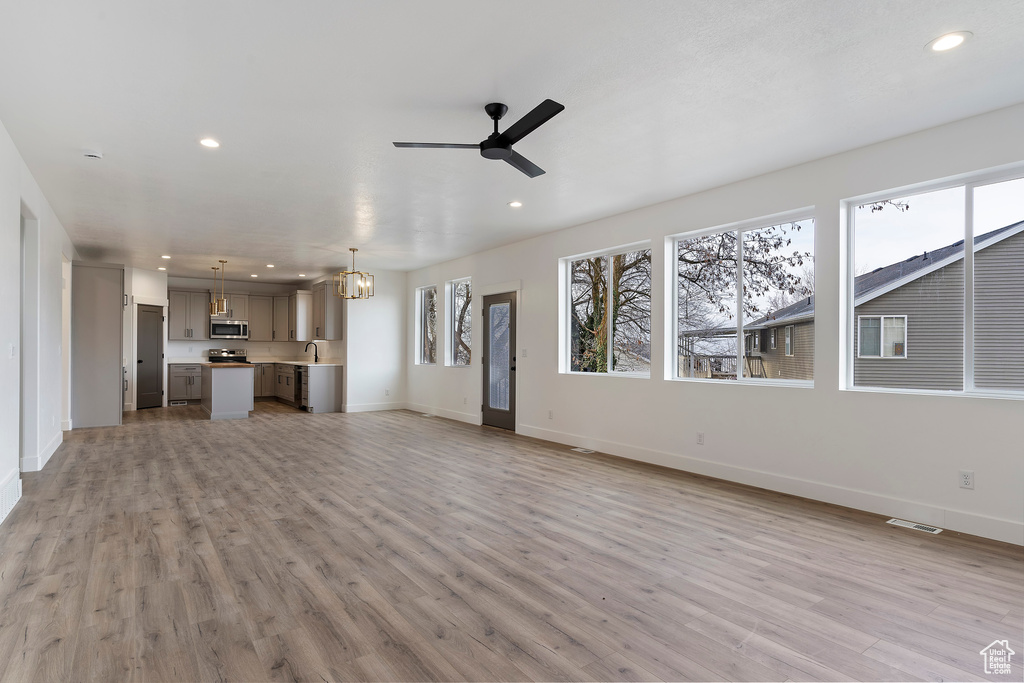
x=427, y=314
x=609, y=312
x=746, y=284
x=460, y=316
x=913, y=278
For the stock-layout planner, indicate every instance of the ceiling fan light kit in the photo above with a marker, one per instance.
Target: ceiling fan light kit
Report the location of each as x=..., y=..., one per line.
x=499, y=145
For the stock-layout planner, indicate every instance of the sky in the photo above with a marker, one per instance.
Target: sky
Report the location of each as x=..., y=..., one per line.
x=934, y=220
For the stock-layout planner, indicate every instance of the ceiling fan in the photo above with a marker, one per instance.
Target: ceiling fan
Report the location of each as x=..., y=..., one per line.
x=499, y=145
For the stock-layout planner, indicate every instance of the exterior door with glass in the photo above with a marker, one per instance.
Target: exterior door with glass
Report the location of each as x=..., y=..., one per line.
x=499, y=360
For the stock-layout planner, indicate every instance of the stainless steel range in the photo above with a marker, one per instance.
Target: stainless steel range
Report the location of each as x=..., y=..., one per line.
x=226, y=355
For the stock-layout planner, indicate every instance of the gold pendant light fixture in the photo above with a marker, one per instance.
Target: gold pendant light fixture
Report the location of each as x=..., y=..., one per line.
x=353, y=284
x=222, y=302
x=213, y=301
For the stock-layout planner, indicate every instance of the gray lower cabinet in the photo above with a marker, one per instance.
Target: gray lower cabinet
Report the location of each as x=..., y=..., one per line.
x=284, y=388
x=264, y=380
x=184, y=382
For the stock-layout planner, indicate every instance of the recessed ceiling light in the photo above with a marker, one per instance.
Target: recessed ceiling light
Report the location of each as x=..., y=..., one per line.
x=515, y=204
x=209, y=142
x=254, y=275
x=948, y=41
x=302, y=275
x=165, y=257
x=270, y=265
x=161, y=268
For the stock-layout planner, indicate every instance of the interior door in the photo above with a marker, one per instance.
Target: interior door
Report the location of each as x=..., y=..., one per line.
x=499, y=406
x=149, y=376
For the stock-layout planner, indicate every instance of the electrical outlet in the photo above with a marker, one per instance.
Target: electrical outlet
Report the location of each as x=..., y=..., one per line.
x=387, y=392
x=700, y=438
x=190, y=349
x=967, y=479
x=523, y=354
x=551, y=415
x=465, y=400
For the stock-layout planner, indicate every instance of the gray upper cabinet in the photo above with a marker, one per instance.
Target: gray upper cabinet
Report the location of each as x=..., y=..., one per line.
x=280, y=331
x=261, y=318
x=328, y=313
x=188, y=316
x=300, y=327
x=237, y=306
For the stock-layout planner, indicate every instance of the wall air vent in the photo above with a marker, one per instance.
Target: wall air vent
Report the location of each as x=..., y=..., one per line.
x=581, y=450
x=912, y=525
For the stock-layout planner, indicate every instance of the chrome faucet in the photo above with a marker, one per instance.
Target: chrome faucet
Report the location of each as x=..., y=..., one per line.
x=316, y=356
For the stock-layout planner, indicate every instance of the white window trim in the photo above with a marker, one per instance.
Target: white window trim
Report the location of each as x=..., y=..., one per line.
x=565, y=279
x=420, y=322
x=847, y=248
x=806, y=213
x=790, y=341
x=881, y=338
x=773, y=338
x=449, y=316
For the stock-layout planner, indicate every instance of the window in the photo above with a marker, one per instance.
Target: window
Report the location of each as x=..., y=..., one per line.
x=910, y=264
x=609, y=312
x=731, y=285
x=460, y=316
x=427, y=311
x=883, y=336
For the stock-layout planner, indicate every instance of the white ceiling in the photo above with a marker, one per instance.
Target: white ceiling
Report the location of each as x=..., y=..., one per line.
x=663, y=98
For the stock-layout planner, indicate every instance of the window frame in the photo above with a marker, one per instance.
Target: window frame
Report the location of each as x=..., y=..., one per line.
x=421, y=323
x=773, y=338
x=807, y=213
x=848, y=353
x=450, y=313
x=881, y=337
x=790, y=341
x=566, y=312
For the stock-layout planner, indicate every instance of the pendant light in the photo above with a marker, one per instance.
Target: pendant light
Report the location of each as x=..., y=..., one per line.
x=353, y=284
x=222, y=302
x=213, y=301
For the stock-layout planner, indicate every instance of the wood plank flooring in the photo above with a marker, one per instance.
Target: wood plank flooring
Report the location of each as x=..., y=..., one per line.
x=391, y=546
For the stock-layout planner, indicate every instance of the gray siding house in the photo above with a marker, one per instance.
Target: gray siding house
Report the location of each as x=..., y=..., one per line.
x=909, y=322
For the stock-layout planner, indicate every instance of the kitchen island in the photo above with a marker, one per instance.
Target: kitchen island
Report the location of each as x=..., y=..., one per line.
x=227, y=390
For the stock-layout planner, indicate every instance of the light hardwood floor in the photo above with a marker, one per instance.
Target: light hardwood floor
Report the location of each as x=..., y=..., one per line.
x=391, y=546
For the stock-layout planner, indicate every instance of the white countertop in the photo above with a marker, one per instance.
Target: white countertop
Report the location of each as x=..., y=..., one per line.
x=251, y=360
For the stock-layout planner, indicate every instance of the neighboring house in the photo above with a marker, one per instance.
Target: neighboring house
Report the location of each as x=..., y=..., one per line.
x=909, y=322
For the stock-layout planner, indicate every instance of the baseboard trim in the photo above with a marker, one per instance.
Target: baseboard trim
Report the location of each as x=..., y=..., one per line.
x=10, y=493
x=371, y=407
x=471, y=418
x=39, y=461
x=1005, y=530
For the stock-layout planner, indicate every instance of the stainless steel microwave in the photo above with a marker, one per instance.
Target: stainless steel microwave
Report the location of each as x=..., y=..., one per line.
x=229, y=329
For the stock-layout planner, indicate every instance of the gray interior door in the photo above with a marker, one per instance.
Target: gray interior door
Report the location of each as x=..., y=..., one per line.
x=499, y=406
x=149, y=376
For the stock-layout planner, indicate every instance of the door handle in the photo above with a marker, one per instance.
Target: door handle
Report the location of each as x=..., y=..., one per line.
x=513, y=368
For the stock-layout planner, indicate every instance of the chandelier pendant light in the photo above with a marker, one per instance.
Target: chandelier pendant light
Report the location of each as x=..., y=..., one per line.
x=352, y=284
x=213, y=293
x=222, y=302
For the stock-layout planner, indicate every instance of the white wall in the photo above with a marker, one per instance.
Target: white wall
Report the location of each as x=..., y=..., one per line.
x=44, y=320
x=808, y=442
x=375, y=341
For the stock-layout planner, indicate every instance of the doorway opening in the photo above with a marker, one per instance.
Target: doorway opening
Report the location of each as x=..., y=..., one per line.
x=499, y=360
x=149, y=353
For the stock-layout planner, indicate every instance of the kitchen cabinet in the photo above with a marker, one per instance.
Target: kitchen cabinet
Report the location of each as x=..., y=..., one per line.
x=285, y=386
x=261, y=318
x=184, y=382
x=328, y=312
x=237, y=306
x=188, y=315
x=300, y=306
x=264, y=380
x=323, y=388
x=280, y=330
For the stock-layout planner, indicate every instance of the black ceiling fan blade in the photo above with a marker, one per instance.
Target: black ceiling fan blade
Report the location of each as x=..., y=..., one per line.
x=525, y=165
x=540, y=115
x=435, y=145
